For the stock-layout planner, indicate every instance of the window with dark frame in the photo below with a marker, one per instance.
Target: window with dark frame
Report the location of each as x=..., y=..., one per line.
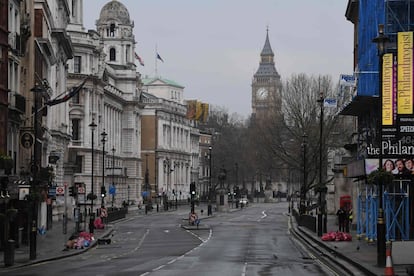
x=112, y=30
x=78, y=164
x=75, y=98
x=75, y=129
x=112, y=54
x=77, y=64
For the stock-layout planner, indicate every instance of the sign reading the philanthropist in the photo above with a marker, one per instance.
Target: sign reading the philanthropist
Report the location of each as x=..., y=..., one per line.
x=390, y=149
x=405, y=73
x=388, y=100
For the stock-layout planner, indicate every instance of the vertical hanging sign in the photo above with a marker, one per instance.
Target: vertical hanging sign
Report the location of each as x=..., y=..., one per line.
x=405, y=116
x=405, y=73
x=388, y=90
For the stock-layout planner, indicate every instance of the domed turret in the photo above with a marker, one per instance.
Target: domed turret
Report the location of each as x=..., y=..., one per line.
x=117, y=33
x=114, y=11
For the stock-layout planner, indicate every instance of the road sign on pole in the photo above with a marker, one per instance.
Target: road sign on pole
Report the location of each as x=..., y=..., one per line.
x=81, y=190
x=60, y=190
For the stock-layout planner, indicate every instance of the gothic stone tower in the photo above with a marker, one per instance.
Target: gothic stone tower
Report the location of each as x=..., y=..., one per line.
x=266, y=84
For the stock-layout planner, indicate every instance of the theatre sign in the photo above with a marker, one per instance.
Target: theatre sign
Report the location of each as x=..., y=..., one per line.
x=397, y=124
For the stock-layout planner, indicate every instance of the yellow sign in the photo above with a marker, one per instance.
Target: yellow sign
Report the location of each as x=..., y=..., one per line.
x=405, y=73
x=387, y=90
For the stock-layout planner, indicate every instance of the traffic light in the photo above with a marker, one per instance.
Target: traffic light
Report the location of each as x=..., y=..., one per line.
x=103, y=191
x=72, y=191
x=192, y=188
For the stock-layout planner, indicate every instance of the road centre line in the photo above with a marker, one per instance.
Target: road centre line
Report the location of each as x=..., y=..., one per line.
x=263, y=216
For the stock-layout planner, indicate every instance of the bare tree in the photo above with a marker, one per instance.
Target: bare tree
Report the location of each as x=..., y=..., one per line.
x=273, y=145
x=228, y=144
x=280, y=134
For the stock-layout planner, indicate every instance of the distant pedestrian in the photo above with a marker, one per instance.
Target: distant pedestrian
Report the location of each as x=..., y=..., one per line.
x=341, y=214
x=346, y=222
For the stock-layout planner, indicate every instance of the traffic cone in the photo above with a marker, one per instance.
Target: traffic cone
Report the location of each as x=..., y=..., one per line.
x=389, y=270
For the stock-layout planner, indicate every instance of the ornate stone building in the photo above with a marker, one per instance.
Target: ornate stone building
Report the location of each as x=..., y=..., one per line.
x=3, y=75
x=168, y=139
x=111, y=99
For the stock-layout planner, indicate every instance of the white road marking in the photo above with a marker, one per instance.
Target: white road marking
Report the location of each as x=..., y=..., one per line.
x=263, y=216
x=244, y=269
x=158, y=268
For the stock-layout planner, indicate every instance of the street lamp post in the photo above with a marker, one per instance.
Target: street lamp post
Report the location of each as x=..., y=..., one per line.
x=92, y=197
x=103, y=190
x=146, y=184
x=113, y=177
x=321, y=188
x=209, y=208
x=35, y=168
x=236, y=195
x=380, y=40
x=128, y=194
x=167, y=172
x=303, y=189
x=176, y=169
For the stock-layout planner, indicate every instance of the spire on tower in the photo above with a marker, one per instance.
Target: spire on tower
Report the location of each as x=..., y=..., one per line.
x=267, y=49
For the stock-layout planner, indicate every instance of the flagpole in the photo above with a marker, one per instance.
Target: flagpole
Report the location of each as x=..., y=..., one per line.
x=156, y=63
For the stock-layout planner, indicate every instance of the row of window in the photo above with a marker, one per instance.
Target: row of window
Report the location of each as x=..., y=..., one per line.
x=178, y=137
x=79, y=162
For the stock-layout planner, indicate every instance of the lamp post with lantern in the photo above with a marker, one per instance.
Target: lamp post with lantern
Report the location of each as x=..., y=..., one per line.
x=113, y=177
x=210, y=157
x=381, y=41
x=302, y=206
x=103, y=189
x=92, y=194
x=321, y=189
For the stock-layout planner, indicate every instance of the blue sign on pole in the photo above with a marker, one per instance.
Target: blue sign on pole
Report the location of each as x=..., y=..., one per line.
x=112, y=190
x=52, y=191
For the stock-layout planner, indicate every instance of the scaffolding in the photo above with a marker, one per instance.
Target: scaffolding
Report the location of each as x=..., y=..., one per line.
x=396, y=209
x=399, y=15
x=397, y=212
x=371, y=13
x=367, y=213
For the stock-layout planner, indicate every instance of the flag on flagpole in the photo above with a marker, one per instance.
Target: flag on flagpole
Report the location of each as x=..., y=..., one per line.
x=159, y=57
x=73, y=91
x=139, y=59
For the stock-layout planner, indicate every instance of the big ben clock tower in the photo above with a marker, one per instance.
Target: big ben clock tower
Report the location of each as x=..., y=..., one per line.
x=266, y=85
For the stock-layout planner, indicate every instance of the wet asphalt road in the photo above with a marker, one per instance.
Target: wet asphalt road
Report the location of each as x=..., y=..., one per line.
x=251, y=241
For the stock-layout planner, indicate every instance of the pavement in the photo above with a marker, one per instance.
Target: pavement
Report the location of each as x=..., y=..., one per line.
x=358, y=252
x=51, y=245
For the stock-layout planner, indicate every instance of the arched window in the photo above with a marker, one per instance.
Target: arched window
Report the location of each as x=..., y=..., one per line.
x=112, y=54
x=112, y=30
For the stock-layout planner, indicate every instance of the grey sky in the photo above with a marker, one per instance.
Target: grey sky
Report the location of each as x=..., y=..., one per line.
x=212, y=47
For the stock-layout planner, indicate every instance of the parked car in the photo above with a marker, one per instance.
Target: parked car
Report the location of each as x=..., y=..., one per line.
x=244, y=201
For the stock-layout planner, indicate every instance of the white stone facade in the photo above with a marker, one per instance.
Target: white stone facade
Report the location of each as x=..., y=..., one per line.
x=110, y=99
x=175, y=135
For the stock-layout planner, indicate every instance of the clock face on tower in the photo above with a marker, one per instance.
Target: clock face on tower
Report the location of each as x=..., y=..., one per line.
x=262, y=93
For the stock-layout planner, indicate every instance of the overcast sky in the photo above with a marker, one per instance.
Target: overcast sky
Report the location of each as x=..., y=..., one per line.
x=212, y=47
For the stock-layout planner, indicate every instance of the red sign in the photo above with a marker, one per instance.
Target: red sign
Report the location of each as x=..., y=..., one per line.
x=81, y=190
x=60, y=190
